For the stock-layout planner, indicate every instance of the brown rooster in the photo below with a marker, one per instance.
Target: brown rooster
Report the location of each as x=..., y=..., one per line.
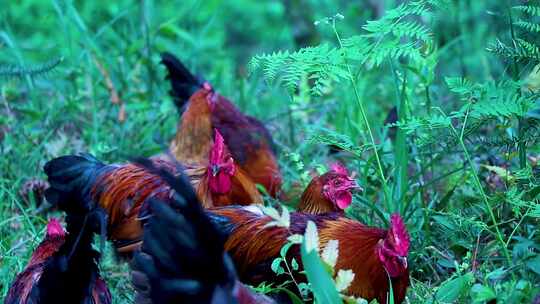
x=204, y=110
x=330, y=192
x=62, y=269
x=373, y=254
x=121, y=189
x=182, y=259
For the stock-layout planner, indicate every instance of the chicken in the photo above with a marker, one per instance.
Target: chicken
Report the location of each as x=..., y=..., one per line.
x=62, y=268
x=182, y=258
x=121, y=189
x=371, y=253
x=330, y=192
x=203, y=110
x=225, y=183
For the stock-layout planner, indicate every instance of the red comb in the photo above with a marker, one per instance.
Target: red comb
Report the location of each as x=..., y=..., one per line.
x=339, y=168
x=218, y=149
x=399, y=234
x=54, y=228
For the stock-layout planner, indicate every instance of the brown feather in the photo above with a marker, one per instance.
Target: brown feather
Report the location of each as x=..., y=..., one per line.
x=122, y=192
x=250, y=144
x=247, y=139
x=29, y=277
x=194, y=136
x=313, y=200
x=254, y=246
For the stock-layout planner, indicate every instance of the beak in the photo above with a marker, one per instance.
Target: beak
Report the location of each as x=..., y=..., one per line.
x=354, y=186
x=215, y=170
x=403, y=261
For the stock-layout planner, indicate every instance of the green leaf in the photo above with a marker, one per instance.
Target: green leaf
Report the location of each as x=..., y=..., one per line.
x=292, y=296
x=276, y=266
x=496, y=274
x=482, y=293
x=322, y=284
x=271, y=212
x=282, y=220
x=285, y=217
x=295, y=238
x=344, y=279
x=311, y=238
x=284, y=249
x=330, y=253
x=294, y=264
x=453, y=289
x=534, y=264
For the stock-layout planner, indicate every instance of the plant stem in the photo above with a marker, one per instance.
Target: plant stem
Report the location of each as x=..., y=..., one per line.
x=517, y=226
x=478, y=184
x=145, y=29
x=522, y=148
x=292, y=131
x=366, y=122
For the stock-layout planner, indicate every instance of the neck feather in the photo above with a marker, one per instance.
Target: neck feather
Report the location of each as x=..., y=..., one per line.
x=193, y=139
x=313, y=200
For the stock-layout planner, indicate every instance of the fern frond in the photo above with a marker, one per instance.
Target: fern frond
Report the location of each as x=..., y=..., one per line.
x=391, y=37
x=521, y=51
x=320, y=63
x=331, y=138
x=528, y=26
x=17, y=71
x=529, y=9
x=461, y=86
x=492, y=99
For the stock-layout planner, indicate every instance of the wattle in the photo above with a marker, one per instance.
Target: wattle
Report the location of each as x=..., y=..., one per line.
x=220, y=184
x=343, y=199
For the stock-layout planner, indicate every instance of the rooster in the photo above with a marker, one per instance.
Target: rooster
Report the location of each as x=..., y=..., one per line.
x=63, y=268
x=330, y=192
x=204, y=110
x=373, y=254
x=182, y=258
x=121, y=189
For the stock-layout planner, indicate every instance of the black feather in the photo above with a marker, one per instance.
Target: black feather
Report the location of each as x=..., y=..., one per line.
x=183, y=82
x=182, y=258
x=71, y=274
x=71, y=179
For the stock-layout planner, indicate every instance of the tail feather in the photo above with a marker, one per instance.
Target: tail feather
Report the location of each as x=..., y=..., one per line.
x=71, y=178
x=72, y=274
x=183, y=258
x=183, y=82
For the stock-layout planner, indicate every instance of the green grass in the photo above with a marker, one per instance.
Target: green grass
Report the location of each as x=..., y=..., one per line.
x=474, y=230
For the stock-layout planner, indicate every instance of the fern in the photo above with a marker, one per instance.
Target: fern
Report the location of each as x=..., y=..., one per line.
x=529, y=9
x=319, y=63
x=397, y=35
x=482, y=103
x=528, y=26
x=331, y=138
x=519, y=49
x=16, y=71
x=493, y=99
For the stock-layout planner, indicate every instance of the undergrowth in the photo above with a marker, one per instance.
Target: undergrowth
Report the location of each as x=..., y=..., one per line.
x=433, y=103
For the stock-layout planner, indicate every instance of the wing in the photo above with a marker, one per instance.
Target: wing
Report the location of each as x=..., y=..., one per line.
x=243, y=191
x=250, y=144
x=122, y=193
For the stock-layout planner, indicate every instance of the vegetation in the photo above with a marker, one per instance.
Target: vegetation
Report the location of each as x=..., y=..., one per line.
x=460, y=164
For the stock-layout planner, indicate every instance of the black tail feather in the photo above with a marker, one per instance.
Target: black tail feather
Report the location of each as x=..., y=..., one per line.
x=72, y=274
x=183, y=82
x=71, y=179
x=182, y=258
